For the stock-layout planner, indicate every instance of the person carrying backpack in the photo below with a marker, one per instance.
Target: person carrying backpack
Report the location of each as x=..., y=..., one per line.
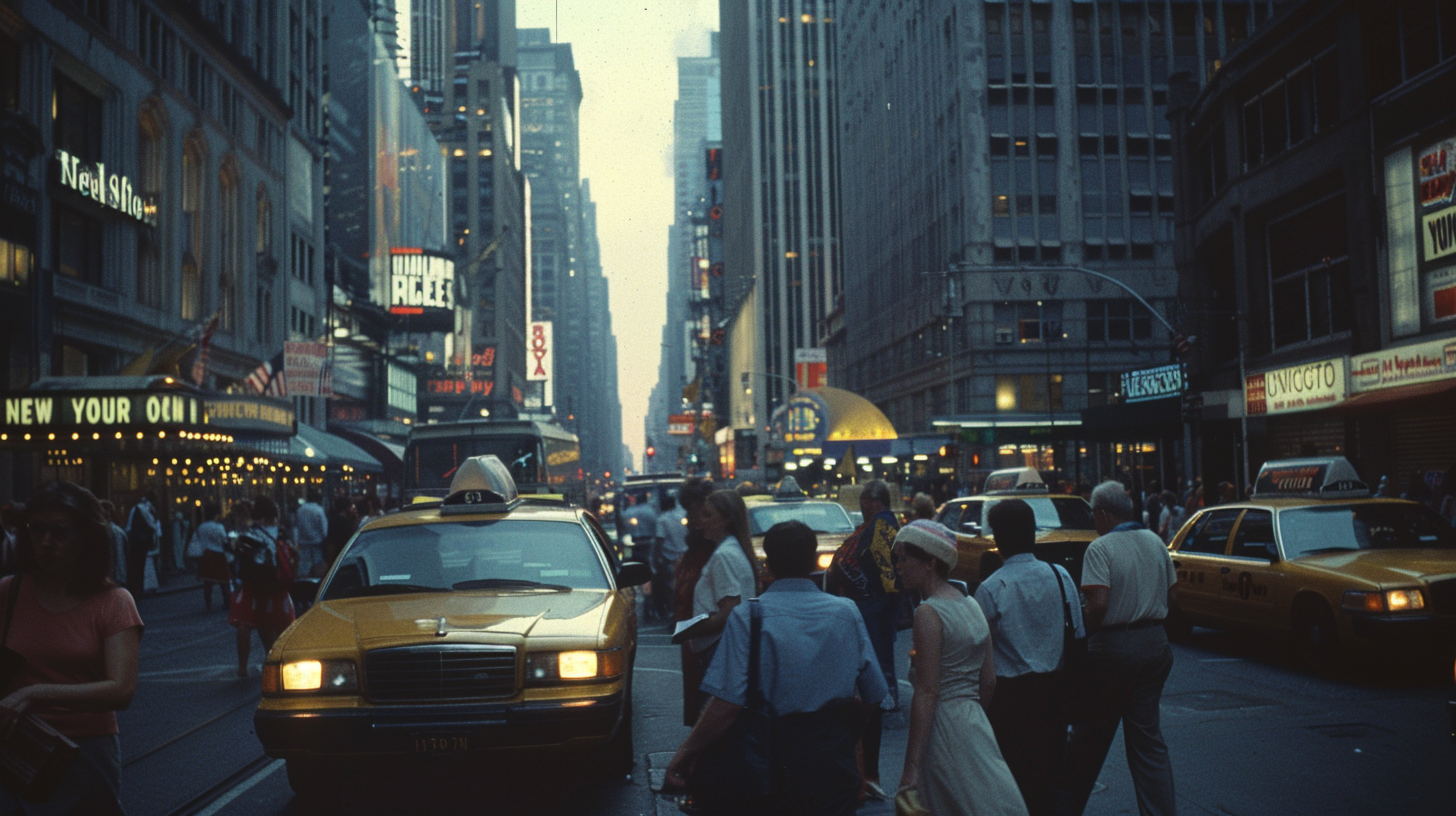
x=264, y=562
x=143, y=533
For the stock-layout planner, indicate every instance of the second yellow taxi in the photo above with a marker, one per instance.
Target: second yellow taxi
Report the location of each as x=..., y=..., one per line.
x=1312, y=554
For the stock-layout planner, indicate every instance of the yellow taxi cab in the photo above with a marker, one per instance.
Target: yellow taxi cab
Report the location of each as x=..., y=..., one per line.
x=480, y=624
x=1064, y=525
x=1314, y=555
x=788, y=502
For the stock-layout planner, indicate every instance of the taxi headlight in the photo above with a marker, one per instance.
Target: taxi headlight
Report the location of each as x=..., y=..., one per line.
x=825, y=559
x=1394, y=600
x=553, y=667
x=323, y=676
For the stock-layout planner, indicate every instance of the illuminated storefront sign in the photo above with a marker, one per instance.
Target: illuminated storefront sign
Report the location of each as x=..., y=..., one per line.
x=111, y=190
x=1405, y=365
x=1153, y=383
x=1302, y=387
x=420, y=282
x=48, y=412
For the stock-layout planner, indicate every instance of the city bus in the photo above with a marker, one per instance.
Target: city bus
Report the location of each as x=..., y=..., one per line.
x=542, y=458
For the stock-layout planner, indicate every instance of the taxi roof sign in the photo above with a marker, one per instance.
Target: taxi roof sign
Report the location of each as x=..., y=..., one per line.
x=481, y=483
x=1331, y=477
x=788, y=490
x=1014, y=479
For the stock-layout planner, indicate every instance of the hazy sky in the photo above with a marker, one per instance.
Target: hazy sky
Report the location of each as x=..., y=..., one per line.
x=626, y=53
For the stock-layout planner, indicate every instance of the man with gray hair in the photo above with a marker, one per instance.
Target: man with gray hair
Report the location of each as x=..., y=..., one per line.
x=1127, y=575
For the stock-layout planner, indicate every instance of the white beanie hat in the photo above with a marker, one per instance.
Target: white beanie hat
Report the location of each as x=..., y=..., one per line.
x=931, y=536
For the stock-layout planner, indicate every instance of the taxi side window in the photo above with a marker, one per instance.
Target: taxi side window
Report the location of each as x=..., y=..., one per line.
x=1255, y=537
x=971, y=519
x=951, y=516
x=1211, y=535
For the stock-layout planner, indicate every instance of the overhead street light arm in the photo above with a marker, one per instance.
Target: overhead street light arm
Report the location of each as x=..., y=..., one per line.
x=1085, y=271
x=747, y=374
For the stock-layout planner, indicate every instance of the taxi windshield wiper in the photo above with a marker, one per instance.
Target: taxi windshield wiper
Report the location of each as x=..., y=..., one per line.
x=392, y=589
x=508, y=583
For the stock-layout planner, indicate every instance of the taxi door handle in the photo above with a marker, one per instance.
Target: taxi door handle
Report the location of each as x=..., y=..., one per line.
x=1224, y=570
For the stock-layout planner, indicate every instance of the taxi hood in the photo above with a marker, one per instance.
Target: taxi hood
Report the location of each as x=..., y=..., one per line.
x=1387, y=568
x=477, y=617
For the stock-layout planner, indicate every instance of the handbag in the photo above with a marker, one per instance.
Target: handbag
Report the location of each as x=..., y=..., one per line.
x=733, y=775
x=1075, y=679
x=34, y=757
x=909, y=803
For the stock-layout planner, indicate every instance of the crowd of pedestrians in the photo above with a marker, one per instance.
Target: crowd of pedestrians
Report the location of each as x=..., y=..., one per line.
x=998, y=723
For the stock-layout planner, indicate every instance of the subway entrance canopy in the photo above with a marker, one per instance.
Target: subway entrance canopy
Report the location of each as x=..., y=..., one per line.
x=825, y=421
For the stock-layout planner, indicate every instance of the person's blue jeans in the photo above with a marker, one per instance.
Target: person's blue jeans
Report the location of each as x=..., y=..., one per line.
x=881, y=613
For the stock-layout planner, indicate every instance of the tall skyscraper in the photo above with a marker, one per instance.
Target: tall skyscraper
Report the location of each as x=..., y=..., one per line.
x=781, y=208
x=550, y=157
x=697, y=119
x=996, y=159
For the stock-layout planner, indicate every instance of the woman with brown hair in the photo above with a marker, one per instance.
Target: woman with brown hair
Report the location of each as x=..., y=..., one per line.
x=730, y=575
x=80, y=635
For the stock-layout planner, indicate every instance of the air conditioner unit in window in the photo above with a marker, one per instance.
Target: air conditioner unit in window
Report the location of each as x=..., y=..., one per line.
x=1004, y=336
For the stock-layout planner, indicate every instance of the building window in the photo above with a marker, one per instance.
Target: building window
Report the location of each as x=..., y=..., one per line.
x=1118, y=321
x=1029, y=392
x=191, y=289
x=1309, y=276
x=78, y=128
x=193, y=223
x=264, y=243
x=1028, y=321
x=151, y=177
x=230, y=245
x=1304, y=102
x=78, y=240
x=15, y=260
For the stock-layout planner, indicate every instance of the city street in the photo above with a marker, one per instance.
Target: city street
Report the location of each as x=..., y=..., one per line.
x=1249, y=734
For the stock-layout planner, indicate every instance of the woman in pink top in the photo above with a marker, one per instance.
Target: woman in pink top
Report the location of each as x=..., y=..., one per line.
x=79, y=634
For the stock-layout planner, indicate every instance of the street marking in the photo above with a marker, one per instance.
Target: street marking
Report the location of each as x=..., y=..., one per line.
x=227, y=798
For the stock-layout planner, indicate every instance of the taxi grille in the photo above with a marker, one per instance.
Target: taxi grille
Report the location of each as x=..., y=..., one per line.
x=426, y=673
x=1443, y=597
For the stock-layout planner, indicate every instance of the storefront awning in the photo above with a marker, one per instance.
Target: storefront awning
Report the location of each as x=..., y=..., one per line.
x=1387, y=398
x=390, y=454
x=815, y=418
x=334, y=450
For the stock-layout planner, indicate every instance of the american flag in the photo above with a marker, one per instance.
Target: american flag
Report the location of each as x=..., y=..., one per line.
x=268, y=378
x=204, y=346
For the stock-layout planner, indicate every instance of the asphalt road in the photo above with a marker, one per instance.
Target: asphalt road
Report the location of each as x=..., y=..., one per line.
x=1249, y=732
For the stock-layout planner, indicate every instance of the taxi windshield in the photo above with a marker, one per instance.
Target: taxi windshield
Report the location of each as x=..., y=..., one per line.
x=1051, y=514
x=822, y=517
x=503, y=554
x=1315, y=530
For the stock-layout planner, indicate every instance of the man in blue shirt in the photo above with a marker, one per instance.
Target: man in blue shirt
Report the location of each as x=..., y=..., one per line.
x=815, y=657
x=1027, y=603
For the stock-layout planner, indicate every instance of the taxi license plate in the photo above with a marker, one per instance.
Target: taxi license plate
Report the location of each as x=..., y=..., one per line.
x=441, y=743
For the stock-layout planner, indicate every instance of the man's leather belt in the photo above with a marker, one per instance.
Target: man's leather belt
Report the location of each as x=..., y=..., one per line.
x=1145, y=623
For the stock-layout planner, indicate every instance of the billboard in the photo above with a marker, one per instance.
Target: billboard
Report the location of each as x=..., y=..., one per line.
x=306, y=370
x=539, y=357
x=811, y=367
x=422, y=289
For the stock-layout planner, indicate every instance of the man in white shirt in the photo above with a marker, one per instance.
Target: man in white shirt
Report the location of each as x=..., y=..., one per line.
x=311, y=527
x=668, y=545
x=1126, y=577
x=1027, y=603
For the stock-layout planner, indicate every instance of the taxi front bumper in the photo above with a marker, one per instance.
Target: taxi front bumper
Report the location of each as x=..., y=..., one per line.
x=415, y=729
x=1404, y=628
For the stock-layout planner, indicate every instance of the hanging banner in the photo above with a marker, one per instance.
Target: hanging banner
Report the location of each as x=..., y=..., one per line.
x=539, y=358
x=306, y=369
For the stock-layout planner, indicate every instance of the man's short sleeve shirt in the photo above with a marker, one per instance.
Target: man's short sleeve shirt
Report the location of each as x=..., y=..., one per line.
x=813, y=650
x=1137, y=570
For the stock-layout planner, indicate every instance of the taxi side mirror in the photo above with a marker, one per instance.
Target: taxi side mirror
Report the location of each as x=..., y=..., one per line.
x=633, y=573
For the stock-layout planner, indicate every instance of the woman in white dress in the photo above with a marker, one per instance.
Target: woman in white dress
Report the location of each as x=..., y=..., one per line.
x=952, y=758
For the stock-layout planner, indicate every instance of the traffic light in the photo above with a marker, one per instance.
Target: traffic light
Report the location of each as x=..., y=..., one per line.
x=651, y=451
x=947, y=451
x=607, y=475
x=1183, y=344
